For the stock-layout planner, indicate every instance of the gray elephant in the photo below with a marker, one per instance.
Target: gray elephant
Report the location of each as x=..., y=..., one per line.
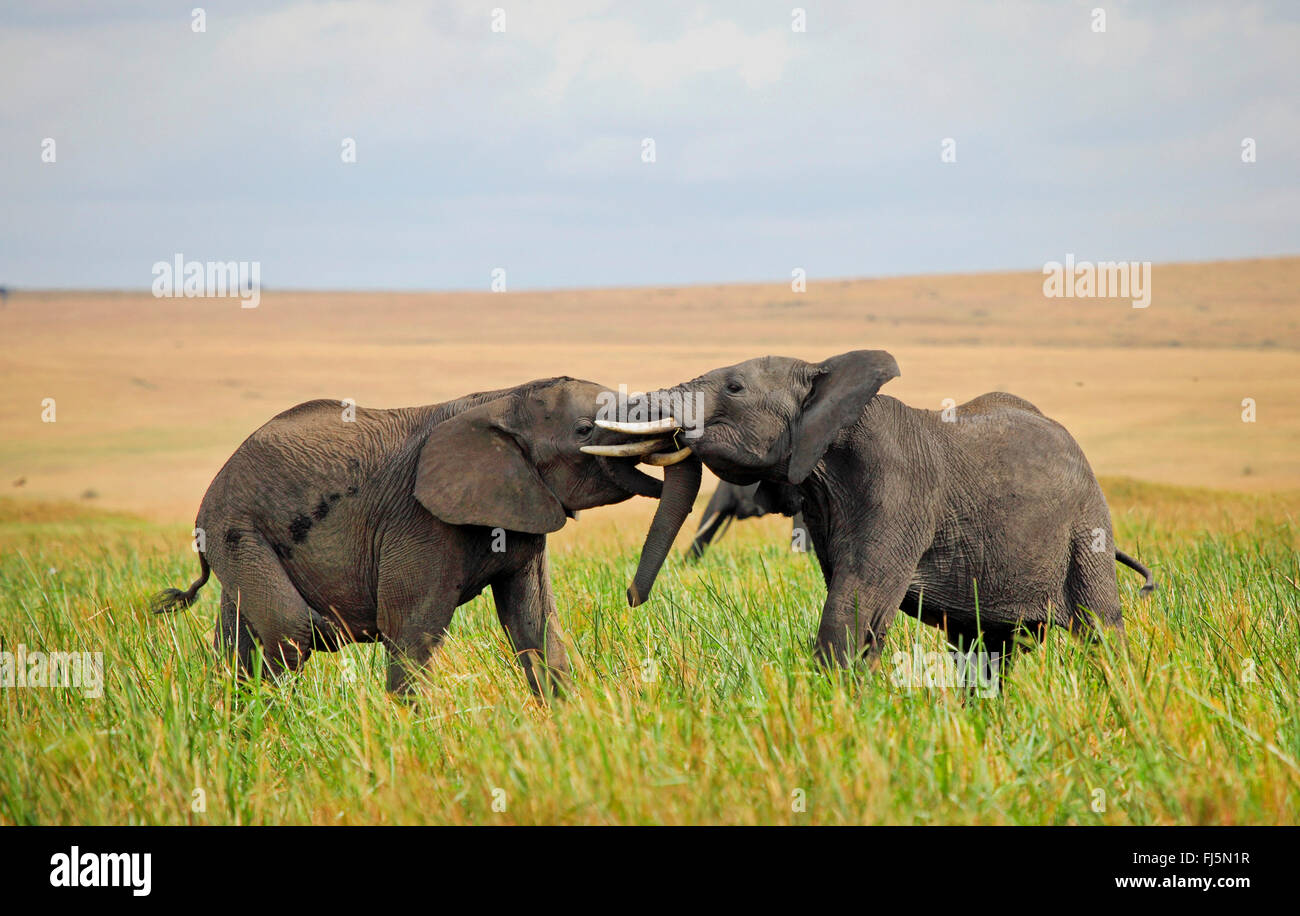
x=325, y=528
x=988, y=522
x=731, y=501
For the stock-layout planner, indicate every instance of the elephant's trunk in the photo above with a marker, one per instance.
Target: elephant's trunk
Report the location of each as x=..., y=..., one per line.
x=681, y=484
x=625, y=474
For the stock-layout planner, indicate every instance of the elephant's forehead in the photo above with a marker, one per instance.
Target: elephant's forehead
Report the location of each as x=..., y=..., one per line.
x=774, y=366
x=569, y=399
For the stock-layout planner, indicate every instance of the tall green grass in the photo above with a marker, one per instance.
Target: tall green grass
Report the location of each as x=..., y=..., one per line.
x=703, y=706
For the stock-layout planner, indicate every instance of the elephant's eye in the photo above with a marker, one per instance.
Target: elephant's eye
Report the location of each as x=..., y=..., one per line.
x=584, y=428
x=735, y=386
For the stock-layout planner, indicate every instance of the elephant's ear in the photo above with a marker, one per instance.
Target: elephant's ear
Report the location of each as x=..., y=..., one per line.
x=472, y=471
x=777, y=496
x=841, y=388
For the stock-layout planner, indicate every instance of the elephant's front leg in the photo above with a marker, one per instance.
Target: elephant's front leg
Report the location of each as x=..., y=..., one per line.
x=859, y=607
x=417, y=596
x=413, y=640
x=526, y=608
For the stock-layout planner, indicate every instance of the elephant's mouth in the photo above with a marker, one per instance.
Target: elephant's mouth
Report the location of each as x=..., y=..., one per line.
x=658, y=442
x=655, y=443
x=625, y=475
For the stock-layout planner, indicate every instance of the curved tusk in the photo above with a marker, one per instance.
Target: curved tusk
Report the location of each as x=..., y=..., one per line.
x=663, y=459
x=626, y=449
x=643, y=428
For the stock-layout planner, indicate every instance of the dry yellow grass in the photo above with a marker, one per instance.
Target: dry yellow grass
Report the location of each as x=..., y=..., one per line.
x=153, y=394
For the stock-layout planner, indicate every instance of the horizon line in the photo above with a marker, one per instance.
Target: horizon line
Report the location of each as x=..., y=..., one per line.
x=984, y=272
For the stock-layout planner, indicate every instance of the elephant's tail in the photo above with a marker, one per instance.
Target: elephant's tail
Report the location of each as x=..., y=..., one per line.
x=1133, y=564
x=173, y=599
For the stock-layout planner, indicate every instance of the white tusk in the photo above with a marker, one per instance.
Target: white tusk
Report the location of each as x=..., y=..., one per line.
x=663, y=459
x=642, y=428
x=627, y=449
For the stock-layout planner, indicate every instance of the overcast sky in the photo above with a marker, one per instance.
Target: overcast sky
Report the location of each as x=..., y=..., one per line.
x=522, y=149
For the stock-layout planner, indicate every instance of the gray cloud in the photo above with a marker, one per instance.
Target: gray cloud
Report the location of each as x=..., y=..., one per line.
x=522, y=149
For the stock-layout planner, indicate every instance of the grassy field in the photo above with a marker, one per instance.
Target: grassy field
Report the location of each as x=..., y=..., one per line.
x=705, y=704
x=702, y=706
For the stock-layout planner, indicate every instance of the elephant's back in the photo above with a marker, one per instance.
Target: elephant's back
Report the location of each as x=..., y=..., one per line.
x=329, y=425
x=314, y=436
x=312, y=461
x=999, y=447
x=1001, y=407
x=998, y=422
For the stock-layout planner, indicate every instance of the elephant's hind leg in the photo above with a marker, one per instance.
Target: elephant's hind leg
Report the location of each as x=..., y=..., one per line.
x=526, y=609
x=257, y=595
x=234, y=639
x=990, y=649
x=1093, y=592
x=415, y=609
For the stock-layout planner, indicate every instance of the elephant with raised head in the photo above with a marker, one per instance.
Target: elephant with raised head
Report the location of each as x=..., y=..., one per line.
x=991, y=525
x=326, y=528
x=730, y=502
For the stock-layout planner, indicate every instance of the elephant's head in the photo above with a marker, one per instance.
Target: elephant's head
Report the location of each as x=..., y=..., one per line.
x=766, y=419
x=529, y=459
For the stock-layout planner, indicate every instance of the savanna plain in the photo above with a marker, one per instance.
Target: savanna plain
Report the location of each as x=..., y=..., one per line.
x=704, y=705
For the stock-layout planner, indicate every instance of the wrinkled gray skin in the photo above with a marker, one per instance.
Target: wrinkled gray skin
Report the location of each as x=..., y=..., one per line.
x=324, y=532
x=731, y=501
x=909, y=512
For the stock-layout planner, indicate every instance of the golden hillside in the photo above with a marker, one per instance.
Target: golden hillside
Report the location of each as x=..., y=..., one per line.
x=153, y=394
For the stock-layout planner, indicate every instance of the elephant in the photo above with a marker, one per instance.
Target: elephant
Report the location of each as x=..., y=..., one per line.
x=327, y=527
x=986, y=522
x=731, y=501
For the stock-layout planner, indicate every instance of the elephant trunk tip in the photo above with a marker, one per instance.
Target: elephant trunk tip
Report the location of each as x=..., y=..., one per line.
x=681, y=485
